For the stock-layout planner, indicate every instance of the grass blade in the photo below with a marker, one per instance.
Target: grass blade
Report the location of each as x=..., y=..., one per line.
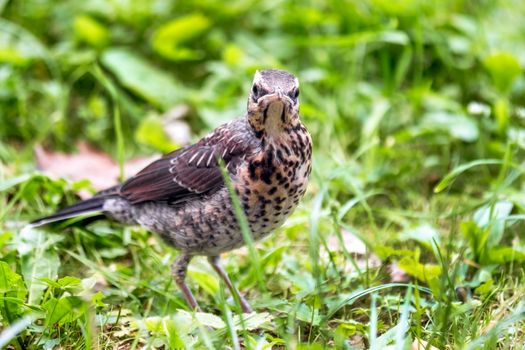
x=450, y=177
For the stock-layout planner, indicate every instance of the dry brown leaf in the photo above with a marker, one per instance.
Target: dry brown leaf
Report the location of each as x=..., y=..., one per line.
x=353, y=245
x=87, y=163
x=357, y=341
x=397, y=274
x=350, y=242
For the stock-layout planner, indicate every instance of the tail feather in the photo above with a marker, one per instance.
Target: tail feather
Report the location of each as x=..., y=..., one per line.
x=90, y=206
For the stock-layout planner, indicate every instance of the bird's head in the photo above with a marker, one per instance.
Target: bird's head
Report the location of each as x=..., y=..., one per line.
x=273, y=104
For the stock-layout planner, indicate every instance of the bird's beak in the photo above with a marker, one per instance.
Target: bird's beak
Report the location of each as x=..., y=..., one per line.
x=279, y=93
x=275, y=107
x=278, y=97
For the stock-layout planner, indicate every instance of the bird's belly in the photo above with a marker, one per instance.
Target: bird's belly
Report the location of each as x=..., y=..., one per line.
x=203, y=227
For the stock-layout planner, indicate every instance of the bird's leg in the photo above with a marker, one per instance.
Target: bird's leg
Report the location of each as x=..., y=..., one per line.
x=178, y=270
x=216, y=264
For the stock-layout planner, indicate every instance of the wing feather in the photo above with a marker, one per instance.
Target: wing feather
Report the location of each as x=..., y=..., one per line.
x=186, y=173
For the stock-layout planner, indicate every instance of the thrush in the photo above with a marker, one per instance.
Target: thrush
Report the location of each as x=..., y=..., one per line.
x=183, y=196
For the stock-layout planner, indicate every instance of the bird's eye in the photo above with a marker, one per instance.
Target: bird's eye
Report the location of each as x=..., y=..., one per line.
x=255, y=91
x=294, y=94
x=258, y=91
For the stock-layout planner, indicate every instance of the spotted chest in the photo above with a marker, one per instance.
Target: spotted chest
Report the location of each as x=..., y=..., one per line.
x=271, y=184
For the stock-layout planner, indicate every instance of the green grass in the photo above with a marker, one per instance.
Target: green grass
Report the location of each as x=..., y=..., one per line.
x=412, y=227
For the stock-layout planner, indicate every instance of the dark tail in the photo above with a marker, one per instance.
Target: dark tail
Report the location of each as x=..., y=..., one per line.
x=89, y=206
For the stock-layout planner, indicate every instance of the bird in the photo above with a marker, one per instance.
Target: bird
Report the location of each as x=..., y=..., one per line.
x=184, y=198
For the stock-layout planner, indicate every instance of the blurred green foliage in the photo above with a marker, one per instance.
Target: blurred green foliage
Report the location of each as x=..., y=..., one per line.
x=422, y=57
x=417, y=112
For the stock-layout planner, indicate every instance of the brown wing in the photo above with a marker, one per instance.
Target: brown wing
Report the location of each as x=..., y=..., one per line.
x=188, y=172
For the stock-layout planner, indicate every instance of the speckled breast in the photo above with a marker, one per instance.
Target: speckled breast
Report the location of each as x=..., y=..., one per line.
x=271, y=184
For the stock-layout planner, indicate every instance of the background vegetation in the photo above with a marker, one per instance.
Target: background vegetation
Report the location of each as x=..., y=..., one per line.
x=411, y=233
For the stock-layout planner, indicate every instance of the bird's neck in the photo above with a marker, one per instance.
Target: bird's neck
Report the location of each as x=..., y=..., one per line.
x=275, y=132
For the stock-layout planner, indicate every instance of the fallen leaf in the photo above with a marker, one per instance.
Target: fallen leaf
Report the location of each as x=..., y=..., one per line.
x=397, y=274
x=87, y=163
x=350, y=242
x=353, y=245
x=357, y=341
